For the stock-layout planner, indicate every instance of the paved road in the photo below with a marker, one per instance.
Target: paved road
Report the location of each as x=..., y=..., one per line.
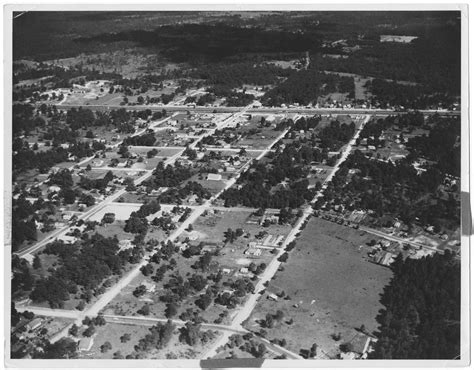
x=46, y=311
x=208, y=148
x=264, y=110
x=345, y=153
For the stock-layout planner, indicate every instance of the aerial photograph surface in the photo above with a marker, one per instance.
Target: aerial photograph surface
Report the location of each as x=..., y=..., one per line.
x=219, y=185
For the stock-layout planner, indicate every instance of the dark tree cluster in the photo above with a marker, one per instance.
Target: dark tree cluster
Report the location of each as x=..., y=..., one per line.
x=433, y=59
x=393, y=94
x=87, y=267
x=98, y=184
x=335, y=135
x=142, y=140
x=159, y=336
x=176, y=195
x=421, y=318
x=305, y=86
x=235, y=75
x=207, y=43
x=169, y=176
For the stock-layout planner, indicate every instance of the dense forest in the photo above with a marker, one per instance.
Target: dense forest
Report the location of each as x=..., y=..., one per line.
x=433, y=59
x=421, y=318
x=305, y=86
x=393, y=94
x=197, y=43
x=82, y=269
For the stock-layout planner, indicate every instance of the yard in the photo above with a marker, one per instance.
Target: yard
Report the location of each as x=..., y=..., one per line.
x=332, y=289
x=112, y=333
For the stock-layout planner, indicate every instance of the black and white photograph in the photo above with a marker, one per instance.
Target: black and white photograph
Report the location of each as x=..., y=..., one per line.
x=225, y=186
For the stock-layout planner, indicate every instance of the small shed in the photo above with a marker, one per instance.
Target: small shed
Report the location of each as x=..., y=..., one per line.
x=34, y=324
x=273, y=297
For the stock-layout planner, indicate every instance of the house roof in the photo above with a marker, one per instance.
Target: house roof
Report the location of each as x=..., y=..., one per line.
x=360, y=343
x=85, y=344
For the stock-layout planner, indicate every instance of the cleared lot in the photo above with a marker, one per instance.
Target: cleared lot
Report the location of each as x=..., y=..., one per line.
x=332, y=288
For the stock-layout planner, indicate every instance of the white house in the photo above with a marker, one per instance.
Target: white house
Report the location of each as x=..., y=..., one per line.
x=54, y=189
x=85, y=344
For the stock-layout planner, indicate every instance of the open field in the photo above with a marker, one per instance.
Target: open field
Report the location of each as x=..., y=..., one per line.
x=334, y=287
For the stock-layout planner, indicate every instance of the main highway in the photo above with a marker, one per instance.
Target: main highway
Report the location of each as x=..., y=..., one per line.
x=260, y=110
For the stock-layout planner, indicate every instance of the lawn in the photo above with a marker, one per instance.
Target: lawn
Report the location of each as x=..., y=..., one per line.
x=332, y=288
x=112, y=333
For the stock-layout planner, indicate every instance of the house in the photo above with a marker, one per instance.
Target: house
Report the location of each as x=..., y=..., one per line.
x=54, y=189
x=385, y=244
x=67, y=216
x=383, y=258
x=34, y=324
x=67, y=239
x=244, y=270
x=360, y=345
x=125, y=244
x=85, y=344
x=272, y=218
x=214, y=177
x=150, y=288
x=253, y=252
x=273, y=297
x=226, y=271
x=347, y=356
x=29, y=257
x=252, y=245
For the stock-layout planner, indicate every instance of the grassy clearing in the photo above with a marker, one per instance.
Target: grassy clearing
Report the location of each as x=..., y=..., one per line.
x=112, y=334
x=331, y=283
